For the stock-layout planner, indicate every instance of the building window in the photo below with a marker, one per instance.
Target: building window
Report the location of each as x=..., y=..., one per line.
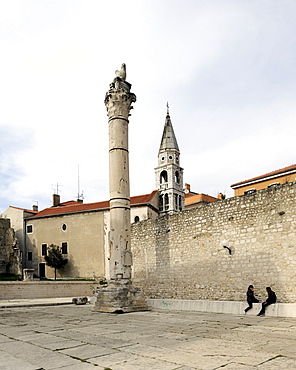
x=65, y=248
x=44, y=249
x=64, y=227
x=30, y=256
x=29, y=229
x=177, y=177
x=273, y=185
x=250, y=191
x=137, y=219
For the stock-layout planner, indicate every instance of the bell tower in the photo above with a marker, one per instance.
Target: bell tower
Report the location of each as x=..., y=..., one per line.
x=169, y=174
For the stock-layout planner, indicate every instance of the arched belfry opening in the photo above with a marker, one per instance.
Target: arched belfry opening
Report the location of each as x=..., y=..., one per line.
x=163, y=177
x=169, y=174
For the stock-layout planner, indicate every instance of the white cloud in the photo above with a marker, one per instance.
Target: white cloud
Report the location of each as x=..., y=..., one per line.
x=226, y=68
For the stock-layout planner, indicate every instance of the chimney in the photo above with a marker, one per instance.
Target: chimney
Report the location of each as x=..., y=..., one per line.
x=35, y=208
x=56, y=200
x=79, y=200
x=187, y=187
x=221, y=196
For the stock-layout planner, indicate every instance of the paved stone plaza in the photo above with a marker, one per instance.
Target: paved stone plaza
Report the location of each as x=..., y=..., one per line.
x=72, y=338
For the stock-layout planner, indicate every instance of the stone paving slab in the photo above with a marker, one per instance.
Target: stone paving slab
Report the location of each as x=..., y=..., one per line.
x=87, y=351
x=72, y=337
x=9, y=362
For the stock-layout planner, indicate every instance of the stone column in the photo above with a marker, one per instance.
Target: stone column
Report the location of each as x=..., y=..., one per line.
x=118, y=103
x=120, y=295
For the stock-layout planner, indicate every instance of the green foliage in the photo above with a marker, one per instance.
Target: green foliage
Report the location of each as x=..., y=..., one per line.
x=8, y=277
x=55, y=258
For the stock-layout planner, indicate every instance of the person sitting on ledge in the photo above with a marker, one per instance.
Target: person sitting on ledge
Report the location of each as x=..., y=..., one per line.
x=270, y=300
x=250, y=298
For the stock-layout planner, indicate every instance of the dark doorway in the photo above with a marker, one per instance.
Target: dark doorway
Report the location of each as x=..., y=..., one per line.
x=42, y=270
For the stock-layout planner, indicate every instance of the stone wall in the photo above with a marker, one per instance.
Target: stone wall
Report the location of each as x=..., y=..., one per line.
x=181, y=256
x=10, y=255
x=45, y=289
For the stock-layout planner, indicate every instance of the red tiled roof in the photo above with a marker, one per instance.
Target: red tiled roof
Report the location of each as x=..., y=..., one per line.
x=69, y=203
x=24, y=209
x=142, y=199
x=190, y=194
x=199, y=198
x=273, y=173
x=74, y=207
x=80, y=207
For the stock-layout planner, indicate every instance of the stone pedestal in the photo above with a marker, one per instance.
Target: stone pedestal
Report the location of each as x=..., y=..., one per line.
x=28, y=274
x=120, y=297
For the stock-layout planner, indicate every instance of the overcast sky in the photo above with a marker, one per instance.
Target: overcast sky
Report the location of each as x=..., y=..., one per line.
x=226, y=67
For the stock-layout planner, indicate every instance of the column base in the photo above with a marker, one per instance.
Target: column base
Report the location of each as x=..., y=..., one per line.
x=120, y=297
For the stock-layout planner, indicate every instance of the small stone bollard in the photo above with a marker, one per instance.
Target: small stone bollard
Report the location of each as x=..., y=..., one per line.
x=82, y=300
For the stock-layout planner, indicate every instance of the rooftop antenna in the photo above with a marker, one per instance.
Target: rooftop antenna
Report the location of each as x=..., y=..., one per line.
x=79, y=196
x=56, y=188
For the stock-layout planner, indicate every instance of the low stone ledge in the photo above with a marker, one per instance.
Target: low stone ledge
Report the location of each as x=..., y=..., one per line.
x=229, y=307
x=45, y=289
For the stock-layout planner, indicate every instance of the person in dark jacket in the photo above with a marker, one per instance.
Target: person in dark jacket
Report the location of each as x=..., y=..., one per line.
x=250, y=298
x=270, y=300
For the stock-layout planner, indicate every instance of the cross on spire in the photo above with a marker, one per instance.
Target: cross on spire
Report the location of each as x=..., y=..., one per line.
x=168, y=112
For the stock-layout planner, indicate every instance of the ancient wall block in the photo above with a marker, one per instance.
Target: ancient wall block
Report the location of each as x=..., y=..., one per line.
x=181, y=256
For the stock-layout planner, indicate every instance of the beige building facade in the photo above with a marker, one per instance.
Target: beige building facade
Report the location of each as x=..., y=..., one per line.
x=274, y=178
x=82, y=233
x=80, y=236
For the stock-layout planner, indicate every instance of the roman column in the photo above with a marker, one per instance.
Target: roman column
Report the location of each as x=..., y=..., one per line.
x=120, y=295
x=118, y=102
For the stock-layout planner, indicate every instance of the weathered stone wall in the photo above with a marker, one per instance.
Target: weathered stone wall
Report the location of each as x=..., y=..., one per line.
x=181, y=256
x=10, y=256
x=45, y=289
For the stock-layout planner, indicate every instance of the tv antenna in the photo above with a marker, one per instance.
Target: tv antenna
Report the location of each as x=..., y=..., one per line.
x=79, y=196
x=56, y=188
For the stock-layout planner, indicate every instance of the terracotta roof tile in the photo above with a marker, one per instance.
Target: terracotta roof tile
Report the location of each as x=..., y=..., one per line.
x=24, y=209
x=142, y=199
x=199, y=198
x=277, y=172
x=74, y=207
x=69, y=203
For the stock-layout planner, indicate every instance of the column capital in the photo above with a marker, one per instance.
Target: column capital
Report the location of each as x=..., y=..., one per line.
x=118, y=99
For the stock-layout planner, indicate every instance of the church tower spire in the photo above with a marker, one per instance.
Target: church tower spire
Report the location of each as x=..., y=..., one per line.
x=169, y=174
